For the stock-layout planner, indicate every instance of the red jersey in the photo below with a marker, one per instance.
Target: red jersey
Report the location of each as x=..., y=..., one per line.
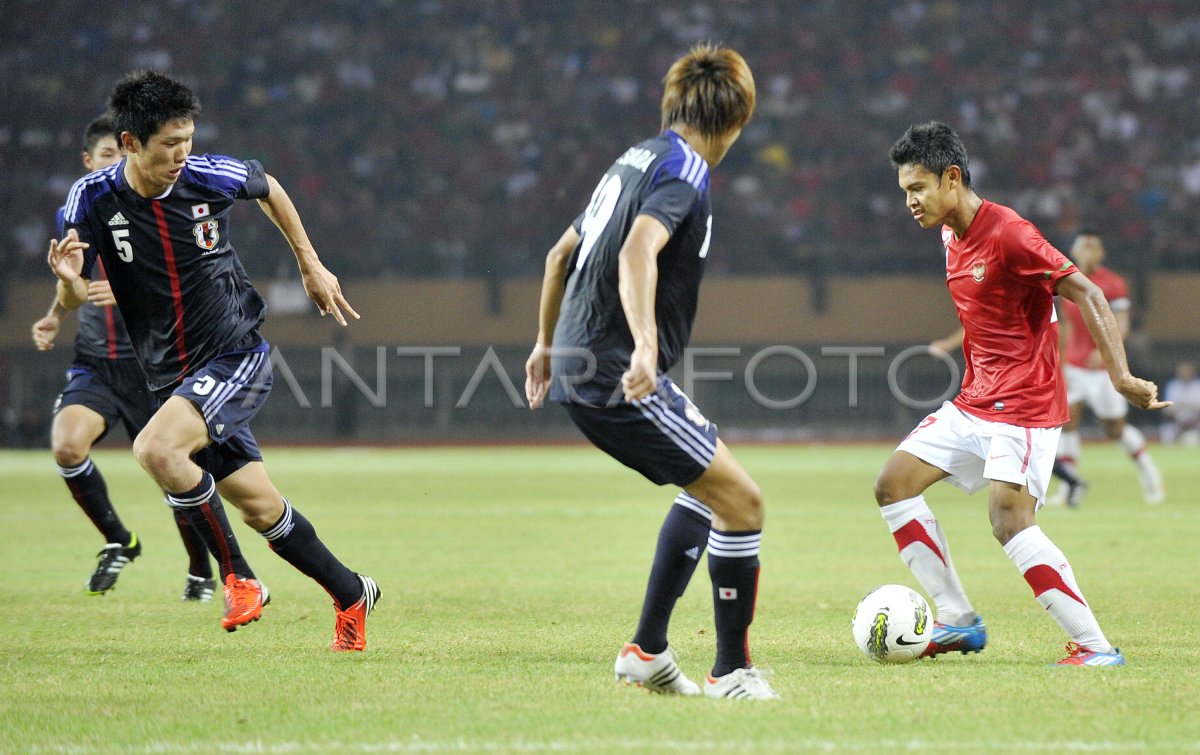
x=1079, y=341
x=1001, y=275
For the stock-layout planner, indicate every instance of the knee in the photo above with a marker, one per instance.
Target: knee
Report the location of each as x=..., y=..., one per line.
x=754, y=506
x=70, y=452
x=154, y=456
x=741, y=508
x=888, y=490
x=1006, y=525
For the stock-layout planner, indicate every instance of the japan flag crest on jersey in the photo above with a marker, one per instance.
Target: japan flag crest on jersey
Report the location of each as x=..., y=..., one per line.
x=207, y=235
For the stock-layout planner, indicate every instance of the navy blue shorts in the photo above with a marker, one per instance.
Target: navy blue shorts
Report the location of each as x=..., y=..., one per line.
x=663, y=436
x=228, y=391
x=113, y=388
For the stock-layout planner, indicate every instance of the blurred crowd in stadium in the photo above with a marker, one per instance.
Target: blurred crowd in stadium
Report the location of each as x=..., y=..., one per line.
x=459, y=137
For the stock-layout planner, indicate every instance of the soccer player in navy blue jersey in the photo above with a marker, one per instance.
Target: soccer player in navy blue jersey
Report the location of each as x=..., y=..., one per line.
x=106, y=387
x=617, y=304
x=159, y=221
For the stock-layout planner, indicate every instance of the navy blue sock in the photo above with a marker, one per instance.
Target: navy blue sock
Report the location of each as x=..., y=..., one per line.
x=198, y=563
x=681, y=541
x=733, y=566
x=206, y=513
x=91, y=493
x=294, y=539
x=1062, y=472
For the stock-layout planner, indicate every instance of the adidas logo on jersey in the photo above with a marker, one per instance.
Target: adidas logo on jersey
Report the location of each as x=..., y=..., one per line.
x=693, y=553
x=118, y=219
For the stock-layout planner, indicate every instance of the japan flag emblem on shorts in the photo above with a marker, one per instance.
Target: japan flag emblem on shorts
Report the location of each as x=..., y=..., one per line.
x=207, y=235
x=978, y=269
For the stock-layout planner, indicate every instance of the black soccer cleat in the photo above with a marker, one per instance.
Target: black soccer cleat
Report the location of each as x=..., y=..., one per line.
x=113, y=558
x=198, y=589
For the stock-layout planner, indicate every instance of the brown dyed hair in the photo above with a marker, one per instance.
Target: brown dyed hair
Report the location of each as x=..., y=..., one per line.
x=710, y=89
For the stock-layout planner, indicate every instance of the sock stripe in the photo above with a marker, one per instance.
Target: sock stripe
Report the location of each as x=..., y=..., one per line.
x=1043, y=578
x=728, y=545
x=691, y=502
x=283, y=527
x=225, y=553
x=183, y=500
x=915, y=532
x=85, y=468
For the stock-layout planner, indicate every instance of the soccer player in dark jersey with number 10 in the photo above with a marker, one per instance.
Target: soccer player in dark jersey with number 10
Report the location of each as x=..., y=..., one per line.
x=617, y=305
x=159, y=220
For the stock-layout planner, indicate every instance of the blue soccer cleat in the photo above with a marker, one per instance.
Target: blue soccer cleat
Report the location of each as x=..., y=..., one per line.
x=1078, y=655
x=948, y=639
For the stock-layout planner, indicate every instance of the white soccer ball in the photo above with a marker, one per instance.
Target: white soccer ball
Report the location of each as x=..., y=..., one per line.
x=892, y=624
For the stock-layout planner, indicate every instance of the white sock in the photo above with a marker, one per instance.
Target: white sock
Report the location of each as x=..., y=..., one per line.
x=1132, y=441
x=1069, y=449
x=924, y=550
x=1046, y=570
x=1134, y=444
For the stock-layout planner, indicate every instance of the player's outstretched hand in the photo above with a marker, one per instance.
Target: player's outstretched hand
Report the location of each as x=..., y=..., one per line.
x=323, y=288
x=100, y=293
x=45, y=331
x=1141, y=393
x=66, y=256
x=641, y=379
x=537, y=375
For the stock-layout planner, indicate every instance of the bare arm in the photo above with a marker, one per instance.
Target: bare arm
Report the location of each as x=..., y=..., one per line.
x=320, y=284
x=950, y=342
x=1122, y=323
x=552, y=284
x=537, y=367
x=1106, y=332
x=637, y=278
x=45, y=330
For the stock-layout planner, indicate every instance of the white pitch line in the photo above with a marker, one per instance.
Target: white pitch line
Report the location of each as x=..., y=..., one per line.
x=417, y=745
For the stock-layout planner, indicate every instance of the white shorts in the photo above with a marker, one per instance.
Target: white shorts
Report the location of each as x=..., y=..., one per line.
x=1094, y=387
x=975, y=451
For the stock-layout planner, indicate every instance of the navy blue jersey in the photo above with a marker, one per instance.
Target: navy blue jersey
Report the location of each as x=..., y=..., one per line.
x=181, y=289
x=101, y=332
x=664, y=178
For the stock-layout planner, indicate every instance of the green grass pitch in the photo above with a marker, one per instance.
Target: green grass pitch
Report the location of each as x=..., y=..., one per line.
x=510, y=577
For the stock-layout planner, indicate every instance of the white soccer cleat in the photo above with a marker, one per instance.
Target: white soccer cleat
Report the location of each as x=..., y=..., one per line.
x=740, y=684
x=1059, y=496
x=1152, y=483
x=657, y=673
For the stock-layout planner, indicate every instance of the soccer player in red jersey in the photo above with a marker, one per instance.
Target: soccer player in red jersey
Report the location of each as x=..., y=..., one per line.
x=1087, y=380
x=1001, y=431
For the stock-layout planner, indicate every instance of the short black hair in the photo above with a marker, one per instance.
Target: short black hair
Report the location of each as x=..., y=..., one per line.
x=934, y=146
x=100, y=127
x=1088, y=231
x=143, y=101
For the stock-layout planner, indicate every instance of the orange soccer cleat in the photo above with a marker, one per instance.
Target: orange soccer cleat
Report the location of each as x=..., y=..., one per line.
x=244, y=600
x=350, y=626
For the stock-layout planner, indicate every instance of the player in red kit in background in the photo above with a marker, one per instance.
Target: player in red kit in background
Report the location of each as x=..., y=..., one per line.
x=1001, y=431
x=1087, y=380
